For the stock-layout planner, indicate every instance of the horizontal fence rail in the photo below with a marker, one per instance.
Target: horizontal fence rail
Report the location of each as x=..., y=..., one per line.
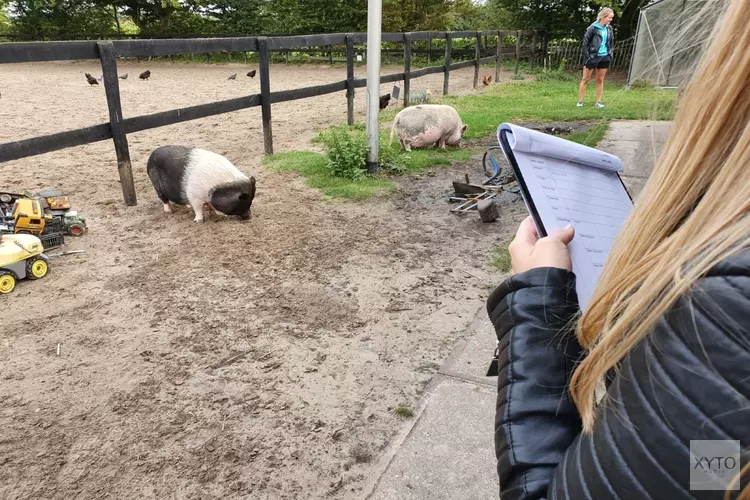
x=475, y=44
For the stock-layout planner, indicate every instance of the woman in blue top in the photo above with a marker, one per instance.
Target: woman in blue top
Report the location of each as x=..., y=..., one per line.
x=597, y=52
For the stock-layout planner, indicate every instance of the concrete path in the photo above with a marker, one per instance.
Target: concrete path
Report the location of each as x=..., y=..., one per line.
x=638, y=144
x=446, y=451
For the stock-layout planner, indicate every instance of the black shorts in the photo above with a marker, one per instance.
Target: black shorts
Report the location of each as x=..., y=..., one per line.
x=598, y=62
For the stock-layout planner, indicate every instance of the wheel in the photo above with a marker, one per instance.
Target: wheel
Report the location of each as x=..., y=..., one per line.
x=76, y=230
x=7, y=282
x=36, y=268
x=23, y=231
x=5, y=198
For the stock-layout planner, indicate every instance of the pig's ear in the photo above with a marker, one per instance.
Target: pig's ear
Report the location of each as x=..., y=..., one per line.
x=463, y=129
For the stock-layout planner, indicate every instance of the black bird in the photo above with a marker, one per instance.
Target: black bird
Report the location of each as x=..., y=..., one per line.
x=91, y=79
x=384, y=99
x=251, y=73
x=145, y=75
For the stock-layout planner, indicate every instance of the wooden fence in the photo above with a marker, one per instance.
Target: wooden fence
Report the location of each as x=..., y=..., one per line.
x=107, y=51
x=569, y=55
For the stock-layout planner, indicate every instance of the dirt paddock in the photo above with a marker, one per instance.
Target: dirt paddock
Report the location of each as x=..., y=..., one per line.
x=230, y=359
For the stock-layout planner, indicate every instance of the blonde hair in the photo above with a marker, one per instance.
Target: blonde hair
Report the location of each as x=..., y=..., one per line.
x=693, y=212
x=603, y=13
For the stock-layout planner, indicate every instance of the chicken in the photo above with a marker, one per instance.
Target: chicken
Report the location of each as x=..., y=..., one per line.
x=91, y=79
x=251, y=73
x=234, y=76
x=124, y=77
x=384, y=99
x=145, y=75
x=486, y=80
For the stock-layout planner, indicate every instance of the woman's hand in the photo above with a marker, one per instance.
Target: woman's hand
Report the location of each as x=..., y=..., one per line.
x=527, y=251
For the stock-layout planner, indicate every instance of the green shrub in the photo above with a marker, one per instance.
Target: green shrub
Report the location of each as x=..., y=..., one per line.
x=347, y=152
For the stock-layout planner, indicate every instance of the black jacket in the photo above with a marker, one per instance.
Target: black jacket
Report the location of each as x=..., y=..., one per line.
x=592, y=40
x=688, y=380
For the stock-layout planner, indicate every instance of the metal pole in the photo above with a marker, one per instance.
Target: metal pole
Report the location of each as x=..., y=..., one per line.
x=374, y=27
x=635, y=45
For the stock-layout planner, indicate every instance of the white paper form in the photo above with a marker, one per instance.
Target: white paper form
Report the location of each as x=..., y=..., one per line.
x=573, y=184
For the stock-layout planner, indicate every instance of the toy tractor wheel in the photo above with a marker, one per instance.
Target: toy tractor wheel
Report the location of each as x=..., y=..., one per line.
x=36, y=268
x=23, y=231
x=7, y=282
x=76, y=230
x=5, y=198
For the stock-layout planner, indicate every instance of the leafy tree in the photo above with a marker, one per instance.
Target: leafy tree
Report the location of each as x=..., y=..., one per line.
x=417, y=15
x=5, y=24
x=559, y=18
x=52, y=18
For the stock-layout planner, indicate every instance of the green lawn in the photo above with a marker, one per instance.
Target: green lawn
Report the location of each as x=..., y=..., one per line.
x=556, y=101
x=313, y=166
x=539, y=101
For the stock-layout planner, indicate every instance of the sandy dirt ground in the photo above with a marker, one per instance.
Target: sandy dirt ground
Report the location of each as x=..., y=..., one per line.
x=231, y=359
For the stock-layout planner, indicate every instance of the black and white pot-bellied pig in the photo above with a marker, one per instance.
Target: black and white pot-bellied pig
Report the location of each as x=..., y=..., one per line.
x=196, y=177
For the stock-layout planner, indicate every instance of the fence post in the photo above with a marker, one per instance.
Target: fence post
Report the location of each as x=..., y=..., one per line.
x=112, y=90
x=518, y=50
x=498, y=55
x=349, y=79
x=429, y=50
x=407, y=67
x=330, y=55
x=533, y=49
x=265, y=94
x=477, y=56
x=447, y=61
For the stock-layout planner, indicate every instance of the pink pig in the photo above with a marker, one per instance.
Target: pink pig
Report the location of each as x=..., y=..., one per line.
x=428, y=124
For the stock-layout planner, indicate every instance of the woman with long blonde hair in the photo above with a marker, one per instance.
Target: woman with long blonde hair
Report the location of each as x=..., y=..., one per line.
x=597, y=54
x=667, y=332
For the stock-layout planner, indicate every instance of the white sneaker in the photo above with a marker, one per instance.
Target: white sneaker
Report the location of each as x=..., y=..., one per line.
x=598, y=104
x=580, y=104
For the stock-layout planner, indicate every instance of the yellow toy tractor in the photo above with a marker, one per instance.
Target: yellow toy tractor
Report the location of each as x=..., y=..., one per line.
x=20, y=257
x=29, y=217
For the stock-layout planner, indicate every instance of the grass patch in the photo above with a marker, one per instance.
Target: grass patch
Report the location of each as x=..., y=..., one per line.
x=313, y=166
x=393, y=159
x=593, y=136
x=552, y=98
x=402, y=411
x=556, y=101
x=557, y=76
x=500, y=259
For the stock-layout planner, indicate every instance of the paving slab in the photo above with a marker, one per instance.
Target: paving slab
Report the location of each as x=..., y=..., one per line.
x=637, y=143
x=472, y=356
x=634, y=185
x=449, y=453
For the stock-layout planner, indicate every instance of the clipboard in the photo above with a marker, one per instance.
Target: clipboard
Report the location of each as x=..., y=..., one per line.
x=563, y=182
x=525, y=195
